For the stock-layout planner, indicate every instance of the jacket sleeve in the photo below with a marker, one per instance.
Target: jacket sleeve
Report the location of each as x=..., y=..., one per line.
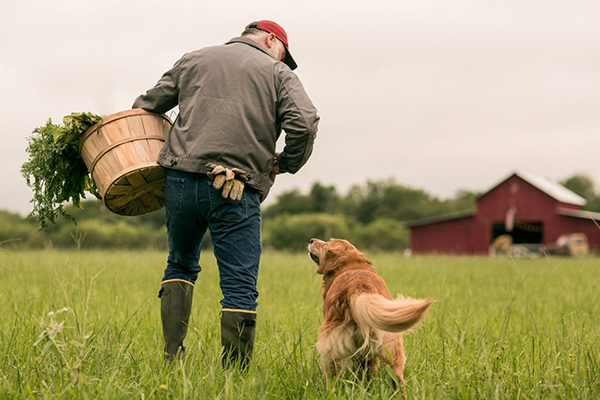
x=165, y=94
x=299, y=119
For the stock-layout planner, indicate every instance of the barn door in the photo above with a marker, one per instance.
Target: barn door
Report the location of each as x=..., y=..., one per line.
x=522, y=232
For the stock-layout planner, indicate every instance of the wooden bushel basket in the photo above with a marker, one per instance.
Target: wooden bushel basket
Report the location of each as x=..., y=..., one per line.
x=120, y=152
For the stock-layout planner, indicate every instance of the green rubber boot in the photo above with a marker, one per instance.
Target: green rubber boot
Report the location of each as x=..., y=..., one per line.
x=237, y=337
x=175, y=308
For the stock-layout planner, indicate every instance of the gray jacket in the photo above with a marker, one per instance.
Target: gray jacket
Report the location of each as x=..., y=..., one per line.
x=233, y=100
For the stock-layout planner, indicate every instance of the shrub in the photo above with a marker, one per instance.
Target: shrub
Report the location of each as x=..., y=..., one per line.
x=383, y=234
x=15, y=232
x=292, y=232
x=92, y=234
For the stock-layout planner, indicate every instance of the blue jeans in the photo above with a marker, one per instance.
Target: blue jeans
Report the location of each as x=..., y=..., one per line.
x=193, y=206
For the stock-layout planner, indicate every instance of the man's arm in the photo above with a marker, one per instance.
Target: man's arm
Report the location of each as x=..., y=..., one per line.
x=165, y=94
x=299, y=120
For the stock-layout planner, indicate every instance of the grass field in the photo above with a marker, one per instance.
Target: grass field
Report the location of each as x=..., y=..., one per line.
x=86, y=325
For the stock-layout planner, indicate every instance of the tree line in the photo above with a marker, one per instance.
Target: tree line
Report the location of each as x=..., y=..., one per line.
x=371, y=215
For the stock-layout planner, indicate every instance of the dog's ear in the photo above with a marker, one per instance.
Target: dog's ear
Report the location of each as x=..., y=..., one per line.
x=338, y=253
x=337, y=248
x=333, y=251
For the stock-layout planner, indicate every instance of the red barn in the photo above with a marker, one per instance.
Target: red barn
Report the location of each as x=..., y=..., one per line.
x=531, y=209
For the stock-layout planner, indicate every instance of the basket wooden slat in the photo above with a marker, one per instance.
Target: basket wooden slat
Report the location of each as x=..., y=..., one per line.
x=120, y=152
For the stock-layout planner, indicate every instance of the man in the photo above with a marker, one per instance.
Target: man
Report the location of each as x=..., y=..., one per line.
x=233, y=100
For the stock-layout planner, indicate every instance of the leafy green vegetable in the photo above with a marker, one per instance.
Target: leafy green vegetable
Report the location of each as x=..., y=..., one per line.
x=55, y=170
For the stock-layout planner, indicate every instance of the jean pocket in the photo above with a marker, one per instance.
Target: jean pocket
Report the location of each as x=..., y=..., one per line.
x=226, y=209
x=174, y=195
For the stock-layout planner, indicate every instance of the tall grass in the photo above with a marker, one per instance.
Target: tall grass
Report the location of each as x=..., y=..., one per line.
x=86, y=325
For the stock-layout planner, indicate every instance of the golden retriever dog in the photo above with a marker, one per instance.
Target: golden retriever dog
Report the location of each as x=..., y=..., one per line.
x=361, y=321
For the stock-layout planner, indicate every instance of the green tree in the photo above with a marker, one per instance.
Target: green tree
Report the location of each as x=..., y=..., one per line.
x=581, y=184
x=290, y=202
x=463, y=200
x=323, y=199
x=387, y=199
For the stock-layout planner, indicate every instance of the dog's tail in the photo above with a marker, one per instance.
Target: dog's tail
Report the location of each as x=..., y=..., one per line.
x=375, y=311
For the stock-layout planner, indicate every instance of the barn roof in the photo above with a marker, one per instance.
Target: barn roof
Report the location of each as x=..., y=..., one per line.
x=439, y=218
x=567, y=212
x=551, y=188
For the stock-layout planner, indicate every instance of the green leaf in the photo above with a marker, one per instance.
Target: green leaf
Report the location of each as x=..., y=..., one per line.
x=55, y=170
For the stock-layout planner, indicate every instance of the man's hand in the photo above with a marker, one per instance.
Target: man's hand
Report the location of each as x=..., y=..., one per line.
x=275, y=169
x=231, y=180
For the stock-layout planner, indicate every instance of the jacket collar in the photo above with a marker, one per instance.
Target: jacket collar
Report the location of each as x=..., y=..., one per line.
x=251, y=43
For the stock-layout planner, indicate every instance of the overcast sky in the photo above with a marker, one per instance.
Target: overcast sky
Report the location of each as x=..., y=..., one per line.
x=439, y=95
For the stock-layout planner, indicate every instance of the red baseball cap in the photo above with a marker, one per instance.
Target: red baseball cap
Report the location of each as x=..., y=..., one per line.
x=279, y=32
